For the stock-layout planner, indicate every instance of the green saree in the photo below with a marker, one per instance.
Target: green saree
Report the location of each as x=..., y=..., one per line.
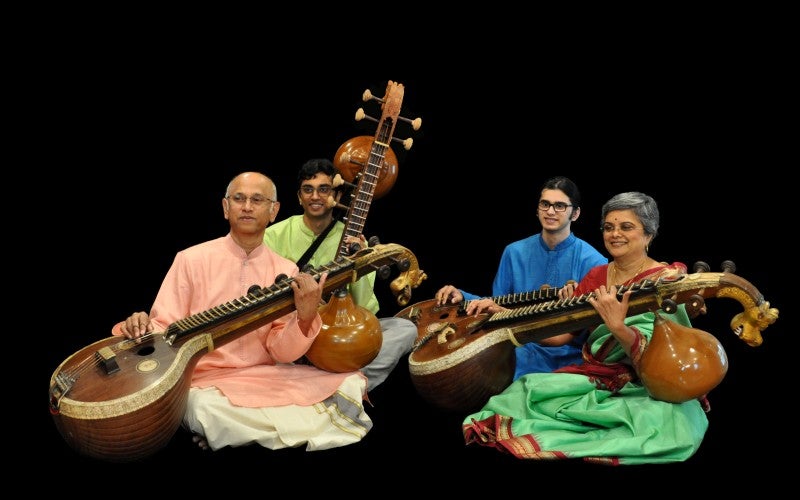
x=561, y=415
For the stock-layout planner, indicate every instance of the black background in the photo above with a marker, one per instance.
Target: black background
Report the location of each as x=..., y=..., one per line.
x=145, y=152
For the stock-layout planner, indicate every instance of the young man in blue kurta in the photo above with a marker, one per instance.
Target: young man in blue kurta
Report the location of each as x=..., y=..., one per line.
x=552, y=257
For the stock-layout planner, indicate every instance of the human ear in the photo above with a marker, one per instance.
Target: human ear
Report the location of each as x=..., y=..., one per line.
x=225, y=207
x=273, y=210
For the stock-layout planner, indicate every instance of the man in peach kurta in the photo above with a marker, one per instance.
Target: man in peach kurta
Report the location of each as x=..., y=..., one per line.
x=248, y=390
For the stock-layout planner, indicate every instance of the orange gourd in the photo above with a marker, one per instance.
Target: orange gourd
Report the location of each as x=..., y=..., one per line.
x=681, y=363
x=350, y=337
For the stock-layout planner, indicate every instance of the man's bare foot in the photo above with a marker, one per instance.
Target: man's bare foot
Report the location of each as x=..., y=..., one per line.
x=201, y=442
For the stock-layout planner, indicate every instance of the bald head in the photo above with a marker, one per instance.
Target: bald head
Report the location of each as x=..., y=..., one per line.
x=252, y=181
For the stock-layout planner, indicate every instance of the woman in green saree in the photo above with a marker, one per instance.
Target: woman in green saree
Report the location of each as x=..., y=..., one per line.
x=599, y=411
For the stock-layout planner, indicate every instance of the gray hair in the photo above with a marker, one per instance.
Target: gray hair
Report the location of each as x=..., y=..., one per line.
x=643, y=206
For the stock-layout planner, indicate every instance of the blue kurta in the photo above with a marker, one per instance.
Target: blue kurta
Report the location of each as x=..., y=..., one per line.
x=528, y=264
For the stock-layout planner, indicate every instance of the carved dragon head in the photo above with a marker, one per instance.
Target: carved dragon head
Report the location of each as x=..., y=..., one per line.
x=748, y=324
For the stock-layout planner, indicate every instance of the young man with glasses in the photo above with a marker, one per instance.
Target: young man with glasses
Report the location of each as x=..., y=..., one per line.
x=292, y=236
x=552, y=257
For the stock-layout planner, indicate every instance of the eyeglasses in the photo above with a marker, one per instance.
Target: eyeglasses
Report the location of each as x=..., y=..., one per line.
x=625, y=227
x=558, y=206
x=308, y=190
x=241, y=199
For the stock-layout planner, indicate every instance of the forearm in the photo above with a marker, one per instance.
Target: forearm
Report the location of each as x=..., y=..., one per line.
x=290, y=338
x=625, y=335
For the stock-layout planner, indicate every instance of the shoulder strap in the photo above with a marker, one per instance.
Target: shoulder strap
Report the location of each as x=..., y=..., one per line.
x=301, y=263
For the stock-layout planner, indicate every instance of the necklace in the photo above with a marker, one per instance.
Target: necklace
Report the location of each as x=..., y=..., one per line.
x=614, y=272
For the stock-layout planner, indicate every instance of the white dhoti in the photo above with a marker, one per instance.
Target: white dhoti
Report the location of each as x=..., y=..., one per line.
x=337, y=421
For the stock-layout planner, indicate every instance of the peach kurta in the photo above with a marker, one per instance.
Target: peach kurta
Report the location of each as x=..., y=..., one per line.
x=253, y=370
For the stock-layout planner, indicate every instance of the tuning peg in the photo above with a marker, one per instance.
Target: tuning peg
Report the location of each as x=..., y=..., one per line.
x=406, y=143
x=728, y=266
x=695, y=306
x=367, y=95
x=669, y=306
x=416, y=123
x=332, y=203
x=338, y=180
x=402, y=264
x=382, y=271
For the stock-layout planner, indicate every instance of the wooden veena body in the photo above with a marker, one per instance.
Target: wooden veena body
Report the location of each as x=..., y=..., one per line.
x=122, y=400
x=351, y=335
x=459, y=364
x=351, y=157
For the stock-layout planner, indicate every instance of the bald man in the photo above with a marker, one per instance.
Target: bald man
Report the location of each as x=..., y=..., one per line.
x=249, y=390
